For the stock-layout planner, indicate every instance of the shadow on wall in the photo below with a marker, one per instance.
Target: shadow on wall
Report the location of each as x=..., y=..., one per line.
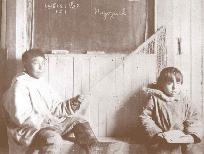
x=3, y=76
x=7, y=72
x=128, y=125
x=3, y=134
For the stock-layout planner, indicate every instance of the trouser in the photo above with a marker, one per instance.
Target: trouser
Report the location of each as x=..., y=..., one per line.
x=49, y=140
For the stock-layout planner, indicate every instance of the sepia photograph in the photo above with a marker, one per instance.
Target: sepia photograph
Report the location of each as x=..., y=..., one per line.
x=101, y=77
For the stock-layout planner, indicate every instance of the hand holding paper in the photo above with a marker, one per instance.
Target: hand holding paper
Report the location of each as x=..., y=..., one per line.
x=177, y=136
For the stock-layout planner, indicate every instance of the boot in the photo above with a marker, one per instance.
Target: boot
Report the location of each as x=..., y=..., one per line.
x=84, y=134
x=86, y=138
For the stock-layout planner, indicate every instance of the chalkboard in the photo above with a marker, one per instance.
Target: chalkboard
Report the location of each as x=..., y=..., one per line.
x=89, y=25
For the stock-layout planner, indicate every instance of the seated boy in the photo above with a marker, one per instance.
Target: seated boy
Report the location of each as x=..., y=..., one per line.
x=170, y=120
x=37, y=117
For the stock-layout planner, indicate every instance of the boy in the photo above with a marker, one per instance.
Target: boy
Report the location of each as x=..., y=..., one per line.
x=37, y=117
x=170, y=119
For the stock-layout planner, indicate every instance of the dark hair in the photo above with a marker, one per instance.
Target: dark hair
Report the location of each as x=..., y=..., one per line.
x=32, y=53
x=167, y=74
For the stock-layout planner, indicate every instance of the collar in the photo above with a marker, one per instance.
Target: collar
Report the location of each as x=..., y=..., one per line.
x=161, y=94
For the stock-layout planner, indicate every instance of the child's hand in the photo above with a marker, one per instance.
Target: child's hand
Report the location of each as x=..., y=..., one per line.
x=81, y=98
x=77, y=101
x=160, y=135
x=177, y=136
x=159, y=138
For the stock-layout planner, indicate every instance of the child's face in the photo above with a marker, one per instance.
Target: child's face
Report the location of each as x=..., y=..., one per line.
x=35, y=66
x=172, y=88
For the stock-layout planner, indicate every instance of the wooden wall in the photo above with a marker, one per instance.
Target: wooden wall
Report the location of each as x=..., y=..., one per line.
x=184, y=21
x=112, y=84
x=112, y=81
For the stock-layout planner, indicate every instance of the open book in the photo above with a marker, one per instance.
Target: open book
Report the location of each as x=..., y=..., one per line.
x=177, y=136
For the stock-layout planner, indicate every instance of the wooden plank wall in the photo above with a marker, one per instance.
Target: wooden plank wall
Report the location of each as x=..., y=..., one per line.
x=184, y=20
x=3, y=136
x=202, y=55
x=112, y=84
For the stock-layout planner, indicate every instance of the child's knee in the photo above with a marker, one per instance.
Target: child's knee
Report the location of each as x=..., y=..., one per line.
x=51, y=137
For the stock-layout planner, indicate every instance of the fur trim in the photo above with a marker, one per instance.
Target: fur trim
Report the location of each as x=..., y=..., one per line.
x=160, y=94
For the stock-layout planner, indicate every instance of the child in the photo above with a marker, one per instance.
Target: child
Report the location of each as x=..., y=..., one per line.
x=169, y=119
x=37, y=117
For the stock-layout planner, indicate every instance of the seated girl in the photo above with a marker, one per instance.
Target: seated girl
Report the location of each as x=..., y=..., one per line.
x=170, y=120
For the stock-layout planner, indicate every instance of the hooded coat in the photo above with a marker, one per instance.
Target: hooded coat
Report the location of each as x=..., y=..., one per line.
x=163, y=113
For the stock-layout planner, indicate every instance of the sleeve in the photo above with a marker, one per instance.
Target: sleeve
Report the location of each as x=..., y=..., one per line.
x=147, y=123
x=63, y=108
x=20, y=111
x=19, y=106
x=59, y=107
x=192, y=123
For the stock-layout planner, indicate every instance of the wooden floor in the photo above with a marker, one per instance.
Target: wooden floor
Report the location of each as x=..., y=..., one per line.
x=116, y=146
x=124, y=146
x=121, y=147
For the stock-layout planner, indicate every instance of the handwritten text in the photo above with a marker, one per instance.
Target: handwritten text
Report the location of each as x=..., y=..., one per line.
x=110, y=14
x=61, y=8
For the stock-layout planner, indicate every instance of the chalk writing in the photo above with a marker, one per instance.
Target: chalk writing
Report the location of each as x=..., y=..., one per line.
x=61, y=8
x=73, y=5
x=109, y=14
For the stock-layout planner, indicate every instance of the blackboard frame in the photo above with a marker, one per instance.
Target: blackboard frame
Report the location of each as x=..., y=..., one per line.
x=94, y=39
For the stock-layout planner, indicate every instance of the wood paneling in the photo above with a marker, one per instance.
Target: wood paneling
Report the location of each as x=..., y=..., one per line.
x=197, y=54
x=183, y=20
x=111, y=83
x=61, y=75
x=202, y=57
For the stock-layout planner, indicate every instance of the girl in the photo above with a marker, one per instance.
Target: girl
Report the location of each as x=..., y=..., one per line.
x=170, y=120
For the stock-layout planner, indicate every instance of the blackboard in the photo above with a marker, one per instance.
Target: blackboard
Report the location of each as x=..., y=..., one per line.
x=89, y=25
